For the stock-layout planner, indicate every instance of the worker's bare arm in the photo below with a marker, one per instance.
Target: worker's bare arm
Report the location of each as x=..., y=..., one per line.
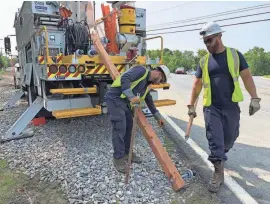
x=249, y=83
x=196, y=90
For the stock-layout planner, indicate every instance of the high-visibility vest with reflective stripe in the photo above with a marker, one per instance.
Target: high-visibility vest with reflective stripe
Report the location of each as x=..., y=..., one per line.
x=117, y=83
x=233, y=64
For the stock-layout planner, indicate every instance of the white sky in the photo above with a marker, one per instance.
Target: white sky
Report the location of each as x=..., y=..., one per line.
x=243, y=37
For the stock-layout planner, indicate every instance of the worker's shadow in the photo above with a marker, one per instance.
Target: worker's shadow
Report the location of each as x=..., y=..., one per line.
x=248, y=165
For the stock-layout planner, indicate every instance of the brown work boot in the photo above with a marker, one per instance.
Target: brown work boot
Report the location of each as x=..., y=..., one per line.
x=120, y=164
x=135, y=158
x=218, y=177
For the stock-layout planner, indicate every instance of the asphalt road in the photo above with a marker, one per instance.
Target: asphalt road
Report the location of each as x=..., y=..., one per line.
x=249, y=160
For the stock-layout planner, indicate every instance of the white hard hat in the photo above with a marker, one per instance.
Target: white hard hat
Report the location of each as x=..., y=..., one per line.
x=17, y=65
x=165, y=70
x=210, y=28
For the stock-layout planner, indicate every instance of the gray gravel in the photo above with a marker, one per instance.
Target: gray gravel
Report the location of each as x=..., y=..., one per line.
x=78, y=153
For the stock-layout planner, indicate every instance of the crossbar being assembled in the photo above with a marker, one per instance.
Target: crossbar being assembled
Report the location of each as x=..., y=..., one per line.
x=162, y=156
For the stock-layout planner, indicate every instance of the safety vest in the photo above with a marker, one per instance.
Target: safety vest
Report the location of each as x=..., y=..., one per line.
x=117, y=83
x=233, y=64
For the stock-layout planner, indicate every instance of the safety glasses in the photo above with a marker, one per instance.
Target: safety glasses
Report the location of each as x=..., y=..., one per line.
x=163, y=78
x=210, y=40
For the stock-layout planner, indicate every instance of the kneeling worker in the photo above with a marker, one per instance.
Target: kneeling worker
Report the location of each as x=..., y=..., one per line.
x=120, y=97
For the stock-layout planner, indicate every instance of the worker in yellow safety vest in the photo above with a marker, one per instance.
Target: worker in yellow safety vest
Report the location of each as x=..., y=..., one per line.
x=122, y=95
x=218, y=73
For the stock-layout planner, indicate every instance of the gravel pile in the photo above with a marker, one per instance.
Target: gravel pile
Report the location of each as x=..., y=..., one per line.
x=77, y=153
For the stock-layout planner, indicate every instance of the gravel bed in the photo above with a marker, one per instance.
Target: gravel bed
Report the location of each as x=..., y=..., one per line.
x=77, y=153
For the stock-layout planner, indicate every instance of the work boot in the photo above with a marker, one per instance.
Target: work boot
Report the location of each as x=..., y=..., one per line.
x=120, y=164
x=218, y=177
x=134, y=158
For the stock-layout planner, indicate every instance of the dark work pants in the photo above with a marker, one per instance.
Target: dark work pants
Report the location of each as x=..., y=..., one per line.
x=122, y=120
x=222, y=129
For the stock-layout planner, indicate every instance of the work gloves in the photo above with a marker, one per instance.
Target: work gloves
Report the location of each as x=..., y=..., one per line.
x=135, y=101
x=191, y=111
x=159, y=119
x=254, y=105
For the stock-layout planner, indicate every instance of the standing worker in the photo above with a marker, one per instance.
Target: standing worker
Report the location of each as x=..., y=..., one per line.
x=120, y=98
x=218, y=73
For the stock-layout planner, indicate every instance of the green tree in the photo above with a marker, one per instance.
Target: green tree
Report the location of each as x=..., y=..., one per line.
x=200, y=54
x=4, y=62
x=258, y=60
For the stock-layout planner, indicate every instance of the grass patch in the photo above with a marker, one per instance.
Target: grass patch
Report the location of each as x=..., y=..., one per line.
x=1, y=73
x=3, y=164
x=266, y=76
x=8, y=183
x=18, y=188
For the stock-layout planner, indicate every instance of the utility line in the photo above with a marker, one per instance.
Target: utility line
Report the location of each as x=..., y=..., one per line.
x=173, y=7
x=182, y=31
x=224, y=19
x=214, y=15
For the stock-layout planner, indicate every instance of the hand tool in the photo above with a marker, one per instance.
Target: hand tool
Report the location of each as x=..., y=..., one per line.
x=133, y=133
x=190, y=121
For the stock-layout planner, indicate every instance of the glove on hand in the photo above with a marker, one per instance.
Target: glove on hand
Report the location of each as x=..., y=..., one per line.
x=135, y=100
x=159, y=119
x=191, y=111
x=254, y=105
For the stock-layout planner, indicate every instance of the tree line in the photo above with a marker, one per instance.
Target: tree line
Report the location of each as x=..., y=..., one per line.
x=257, y=58
x=4, y=61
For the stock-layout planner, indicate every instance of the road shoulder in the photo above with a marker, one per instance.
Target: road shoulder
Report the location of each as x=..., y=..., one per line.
x=232, y=192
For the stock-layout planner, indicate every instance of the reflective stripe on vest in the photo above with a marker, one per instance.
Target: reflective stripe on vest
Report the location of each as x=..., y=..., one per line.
x=117, y=83
x=233, y=64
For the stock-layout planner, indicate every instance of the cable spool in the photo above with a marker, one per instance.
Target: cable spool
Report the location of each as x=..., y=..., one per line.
x=127, y=21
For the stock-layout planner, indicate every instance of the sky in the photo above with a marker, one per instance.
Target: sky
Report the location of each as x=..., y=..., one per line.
x=242, y=37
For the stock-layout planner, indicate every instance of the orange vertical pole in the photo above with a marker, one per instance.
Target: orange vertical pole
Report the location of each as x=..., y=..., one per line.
x=110, y=28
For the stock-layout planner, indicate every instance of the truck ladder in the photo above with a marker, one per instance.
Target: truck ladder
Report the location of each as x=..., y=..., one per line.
x=165, y=161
